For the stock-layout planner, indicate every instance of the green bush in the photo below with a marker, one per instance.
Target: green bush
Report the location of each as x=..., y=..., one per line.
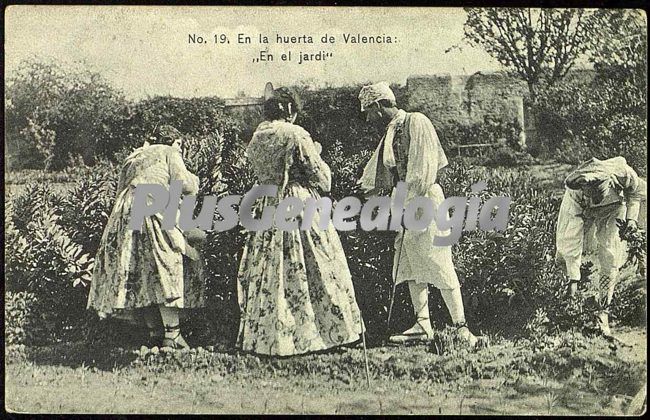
x=21, y=325
x=490, y=131
x=607, y=116
x=80, y=118
x=54, y=115
x=579, y=122
x=629, y=306
x=369, y=254
x=85, y=209
x=220, y=163
x=193, y=117
x=332, y=116
x=44, y=263
x=507, y=276
x=505, y=156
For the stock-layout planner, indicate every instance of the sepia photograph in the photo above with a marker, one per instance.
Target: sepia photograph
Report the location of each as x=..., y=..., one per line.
x=325, y=210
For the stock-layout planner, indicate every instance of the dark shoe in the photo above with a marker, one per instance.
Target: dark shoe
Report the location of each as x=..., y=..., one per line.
x=155, y=338
x=177, y=342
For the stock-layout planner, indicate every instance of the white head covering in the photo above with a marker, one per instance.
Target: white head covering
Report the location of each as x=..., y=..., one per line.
x=373, y=93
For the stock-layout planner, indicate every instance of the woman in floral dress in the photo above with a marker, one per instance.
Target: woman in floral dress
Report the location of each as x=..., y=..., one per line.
x=143, y=270
x=295, y=289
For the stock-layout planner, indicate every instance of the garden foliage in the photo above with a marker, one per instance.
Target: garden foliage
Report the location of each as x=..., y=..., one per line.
x=607, y=116
x=512, y=284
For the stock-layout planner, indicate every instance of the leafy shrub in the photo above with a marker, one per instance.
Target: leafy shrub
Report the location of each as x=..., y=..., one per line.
x=583, y=121
x=44, y=263
x=85, y=209
x=508, y=270
x=20, y=323
x=70, y=120
x=197, y=117
x=507, y=157
x=219, y=161
x=369, y=254
x=81, y=118
x=607, y=116
x=332, y=115
x=629, y=305
x=492, y=130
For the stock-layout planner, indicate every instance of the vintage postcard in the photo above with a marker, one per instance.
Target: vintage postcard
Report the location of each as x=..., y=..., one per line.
x=325, y=210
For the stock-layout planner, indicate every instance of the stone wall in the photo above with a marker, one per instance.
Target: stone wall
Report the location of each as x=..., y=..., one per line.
x=436, y=96
x=493, y=94
x=444, y=98
x=449, y=99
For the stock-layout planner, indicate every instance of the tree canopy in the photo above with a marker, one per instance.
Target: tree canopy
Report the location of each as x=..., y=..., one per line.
x=538, y=45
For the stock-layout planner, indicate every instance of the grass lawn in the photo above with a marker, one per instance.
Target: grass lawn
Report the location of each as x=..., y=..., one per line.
x=562, y=375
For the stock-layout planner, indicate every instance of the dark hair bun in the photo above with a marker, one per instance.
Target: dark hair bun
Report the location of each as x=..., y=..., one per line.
x=283, y=104
x=288, y=95
x=165, y=134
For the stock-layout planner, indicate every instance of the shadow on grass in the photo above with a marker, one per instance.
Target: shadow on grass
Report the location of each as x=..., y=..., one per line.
x=111, y=344
x=589, y=363
x=73, y=355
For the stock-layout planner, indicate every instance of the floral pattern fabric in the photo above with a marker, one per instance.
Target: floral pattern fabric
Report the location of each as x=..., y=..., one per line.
x=136, y=269
x=295, y=288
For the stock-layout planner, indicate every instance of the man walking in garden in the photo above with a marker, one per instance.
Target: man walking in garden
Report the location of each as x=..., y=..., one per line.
x=411, y=152
x=598, y=193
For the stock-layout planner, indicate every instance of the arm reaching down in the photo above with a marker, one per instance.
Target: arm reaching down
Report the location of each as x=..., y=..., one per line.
x=634, y=190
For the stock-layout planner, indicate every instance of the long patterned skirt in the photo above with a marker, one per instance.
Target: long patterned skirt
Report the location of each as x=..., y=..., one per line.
x=137, y=269
x=295, y=290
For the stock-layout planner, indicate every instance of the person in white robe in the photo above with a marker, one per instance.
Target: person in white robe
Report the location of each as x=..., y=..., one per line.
x=410, y=151
x=597, y=193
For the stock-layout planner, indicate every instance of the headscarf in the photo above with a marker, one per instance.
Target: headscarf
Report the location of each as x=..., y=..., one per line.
x=601, y=174
x=372, y=93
